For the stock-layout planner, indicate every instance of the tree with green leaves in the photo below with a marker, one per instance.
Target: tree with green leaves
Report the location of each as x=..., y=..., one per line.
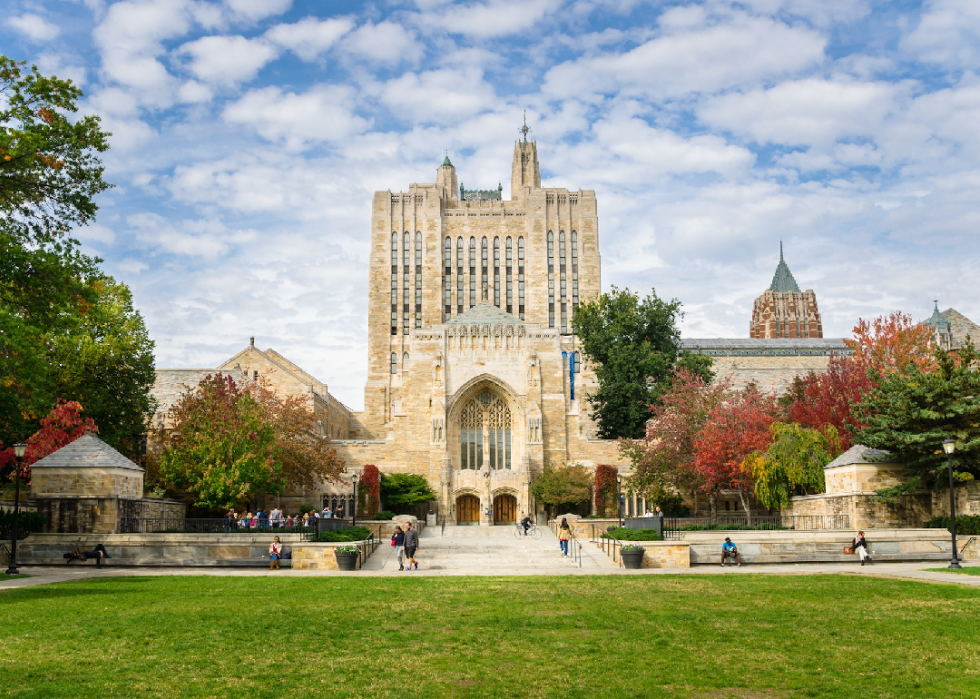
x=223, y=447
x=793, y=464
x=568, y=486
x=50, y=174
x=404, y=490
x=634, y=346
x=910, y=413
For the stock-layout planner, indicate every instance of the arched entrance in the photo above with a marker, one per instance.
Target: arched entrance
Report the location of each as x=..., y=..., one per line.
x=467, y=509
x=504, y=509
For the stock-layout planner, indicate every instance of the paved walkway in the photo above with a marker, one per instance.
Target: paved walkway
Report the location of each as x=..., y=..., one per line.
x=491, y=551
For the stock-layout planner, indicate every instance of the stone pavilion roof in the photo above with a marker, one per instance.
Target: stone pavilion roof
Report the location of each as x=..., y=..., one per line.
x=961, y=326
x=783, y=280
x=88, y=451
x=859, y=454
x=484, y=313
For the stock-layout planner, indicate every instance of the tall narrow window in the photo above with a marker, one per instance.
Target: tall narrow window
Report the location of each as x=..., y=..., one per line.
x=394, y=363
x=551, y=279
x=418, y=279
x=472, y=272
x=471, y=424
x=447, y=278
x=496, y=272
x=406, y=281
x=484, y=286
x=520, y=277
x=510, y=274
x=574, y=273
x=562, y=282
x=394, y=283
x=578, y=362
x=459, y=276
x=404, y=361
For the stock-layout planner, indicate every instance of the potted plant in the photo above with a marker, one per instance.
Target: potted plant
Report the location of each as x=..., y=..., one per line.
x=347, y=556
x=632, y=555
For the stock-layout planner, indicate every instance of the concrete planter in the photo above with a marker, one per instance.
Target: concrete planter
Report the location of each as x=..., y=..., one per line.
x=632, y=559
x=346, y=561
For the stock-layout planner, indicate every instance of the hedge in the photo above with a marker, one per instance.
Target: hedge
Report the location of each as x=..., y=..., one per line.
x=27, y=523
x=624, y=534
x=349, y=534
x=965, y=524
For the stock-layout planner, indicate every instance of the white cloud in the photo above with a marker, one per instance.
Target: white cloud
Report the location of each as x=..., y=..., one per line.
x=309, y=37
x=324, y=113
x=438, y=96
x=198, y=238
x=695, y=58
x=385, y=42
x=811, y=111
x=34, y=27
x=227, y=59
x=131, y=266
x=258, y=9
x=489, y=19
x=948, y=33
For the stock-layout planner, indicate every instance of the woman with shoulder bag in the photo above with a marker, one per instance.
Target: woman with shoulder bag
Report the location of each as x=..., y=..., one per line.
x=398, y=541
x=564, y=534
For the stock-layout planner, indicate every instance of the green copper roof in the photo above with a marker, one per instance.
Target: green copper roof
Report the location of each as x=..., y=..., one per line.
x=938, y=320
x=445, y=161
x=484, y=314
x=783, y=280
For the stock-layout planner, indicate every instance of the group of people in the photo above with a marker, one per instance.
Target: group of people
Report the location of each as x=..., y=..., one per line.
x=406, y=543
x=275, y=519
x=859, y=545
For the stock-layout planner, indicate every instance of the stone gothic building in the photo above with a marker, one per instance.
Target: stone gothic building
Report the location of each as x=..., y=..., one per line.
x=783, y=311
x=474, y=375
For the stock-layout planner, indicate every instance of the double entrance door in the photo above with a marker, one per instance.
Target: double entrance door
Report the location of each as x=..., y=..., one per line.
x=468, y=509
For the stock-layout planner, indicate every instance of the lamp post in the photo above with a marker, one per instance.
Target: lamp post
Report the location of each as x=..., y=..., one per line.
x=353, y=510
x=949, y=446
x=619, y=497
x=19, y=450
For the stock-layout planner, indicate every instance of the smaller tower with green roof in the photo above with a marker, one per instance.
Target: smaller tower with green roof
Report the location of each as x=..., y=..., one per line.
x=783, y=311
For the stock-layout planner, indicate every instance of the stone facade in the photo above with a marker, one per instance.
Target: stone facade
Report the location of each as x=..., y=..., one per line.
x=474, y=375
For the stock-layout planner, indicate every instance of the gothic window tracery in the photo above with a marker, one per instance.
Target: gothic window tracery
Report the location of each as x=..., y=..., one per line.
x=418, y=279
x=496, y=272
x=406, y=281
x=485, y=420
x=551, y=279
x=459, y=275
x=484, y=285
x=520, y=277
x=574, y=273
x=472, y=272
x=394, y=283
x=562, y=286
x=509, y=272
x=447, y=278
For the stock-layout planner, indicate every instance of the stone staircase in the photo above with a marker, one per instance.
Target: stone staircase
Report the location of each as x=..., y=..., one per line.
x=462, y=550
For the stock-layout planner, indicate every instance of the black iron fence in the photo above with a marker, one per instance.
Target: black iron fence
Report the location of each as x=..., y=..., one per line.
x=676, y=525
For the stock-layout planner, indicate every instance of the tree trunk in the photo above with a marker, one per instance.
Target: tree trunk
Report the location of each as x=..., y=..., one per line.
x=695, y=493
x=745, y=504
x=713, y=503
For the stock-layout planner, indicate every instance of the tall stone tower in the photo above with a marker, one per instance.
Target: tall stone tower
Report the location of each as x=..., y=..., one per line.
x=784, y=311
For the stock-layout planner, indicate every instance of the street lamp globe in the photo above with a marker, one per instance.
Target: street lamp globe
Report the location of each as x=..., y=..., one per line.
x=20, y=449
x=949, y=445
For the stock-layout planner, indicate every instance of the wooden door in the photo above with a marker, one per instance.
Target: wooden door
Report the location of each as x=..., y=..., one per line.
x=505, y=509
x=468, y=509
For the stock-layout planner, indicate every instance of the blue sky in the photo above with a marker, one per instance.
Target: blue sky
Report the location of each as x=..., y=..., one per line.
x=250, y=135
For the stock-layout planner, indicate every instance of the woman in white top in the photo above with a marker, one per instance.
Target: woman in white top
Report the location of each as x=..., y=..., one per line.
x=275, y=553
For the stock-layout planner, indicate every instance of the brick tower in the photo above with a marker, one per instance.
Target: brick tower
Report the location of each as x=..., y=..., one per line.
x=784, y=311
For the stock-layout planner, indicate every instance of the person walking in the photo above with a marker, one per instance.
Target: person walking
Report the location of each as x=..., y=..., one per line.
x=398, y=541
x=411, y=545
x=564, y=534
x=275, y=553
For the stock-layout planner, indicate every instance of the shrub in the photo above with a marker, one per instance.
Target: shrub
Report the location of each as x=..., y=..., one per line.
x=730, y=526
x=405, y=490
x=385, y=515
x=965, y=524
x=624, y=534
x=632, y=547
x=347, y=549
x=349, y=534
x=27, y=523
x=307, y=508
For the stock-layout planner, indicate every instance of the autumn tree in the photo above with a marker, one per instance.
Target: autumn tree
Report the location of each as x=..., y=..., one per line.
x=793, y=464
x=664, y=460
x=222, y=448
x=633, y=345
x=562, y=487
x=604, y=491
x=59, y=428
x=369, y=491
x=304, y=456
x=734, y=429
x=890, y=343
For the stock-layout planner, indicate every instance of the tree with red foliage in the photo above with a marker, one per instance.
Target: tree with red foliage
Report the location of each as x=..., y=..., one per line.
x=734, y=429
x=890, y=343
x=369, y=494
x=664, y=460
x=61, y=427
x=605, y=485
x=825, y=399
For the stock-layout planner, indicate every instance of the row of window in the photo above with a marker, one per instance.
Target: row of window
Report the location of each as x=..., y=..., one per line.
x=562, y=278
x=483, y=276
x=577, y=365
x=406, y=264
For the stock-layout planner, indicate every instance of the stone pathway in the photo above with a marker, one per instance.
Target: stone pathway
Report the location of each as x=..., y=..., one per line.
x=492, y=551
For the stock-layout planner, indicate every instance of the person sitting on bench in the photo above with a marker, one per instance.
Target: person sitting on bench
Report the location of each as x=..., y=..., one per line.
x=730, y=550
x=98, y=553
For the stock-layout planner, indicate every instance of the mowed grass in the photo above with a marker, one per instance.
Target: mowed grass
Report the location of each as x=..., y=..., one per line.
x=973, y=570
x=746, y=636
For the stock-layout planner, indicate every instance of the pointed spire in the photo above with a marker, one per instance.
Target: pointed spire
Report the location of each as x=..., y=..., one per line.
x=938, y=320
x=524, y=129
x=783, y=280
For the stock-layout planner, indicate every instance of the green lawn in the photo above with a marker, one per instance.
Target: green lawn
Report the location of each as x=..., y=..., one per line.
x=4, y=576
x=704, y=637
x=974, y=570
